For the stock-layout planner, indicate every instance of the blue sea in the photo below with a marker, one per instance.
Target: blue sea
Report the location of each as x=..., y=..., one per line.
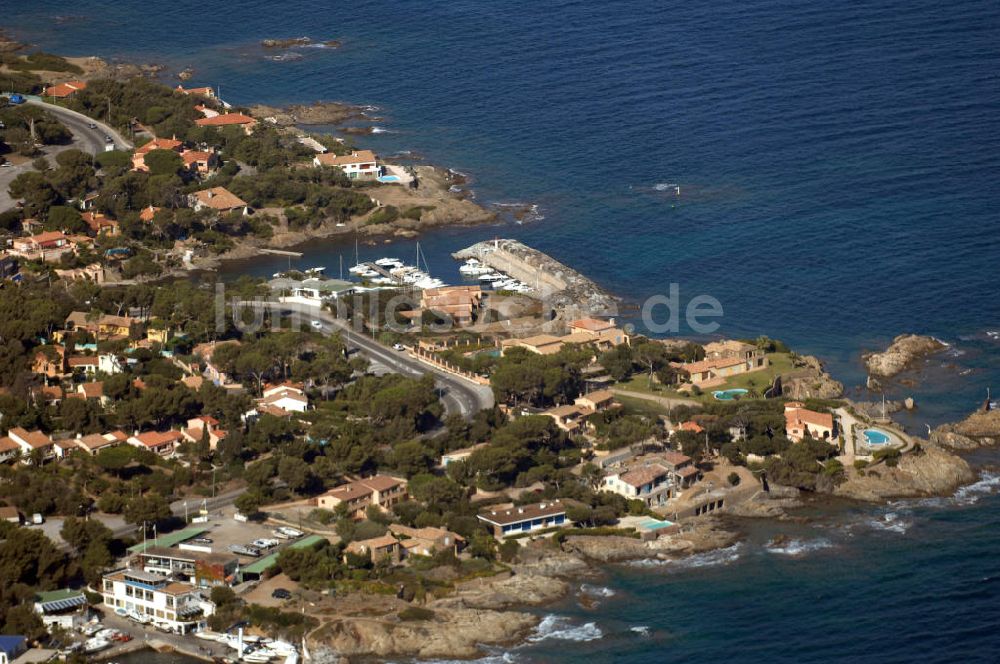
x=837, y=165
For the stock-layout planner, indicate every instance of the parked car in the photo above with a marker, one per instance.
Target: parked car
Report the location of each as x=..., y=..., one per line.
x=398, y=347
x=317, y=325
x=92, y=125
x=281, y=593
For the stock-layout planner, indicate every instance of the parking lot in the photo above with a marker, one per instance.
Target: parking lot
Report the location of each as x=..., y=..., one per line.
x=225, y=531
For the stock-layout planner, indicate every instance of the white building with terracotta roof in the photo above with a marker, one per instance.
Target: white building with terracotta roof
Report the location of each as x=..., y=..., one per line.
x=801, y=422
x=359, y=165
x=31, y=441
x=161, y=442
x=649, y=482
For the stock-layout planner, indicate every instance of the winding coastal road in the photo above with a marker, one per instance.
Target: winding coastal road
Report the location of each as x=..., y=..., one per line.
x=460, y=396
x=90, y=139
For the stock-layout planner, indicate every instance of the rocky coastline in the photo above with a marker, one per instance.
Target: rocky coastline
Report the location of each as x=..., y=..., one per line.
x=904, y=350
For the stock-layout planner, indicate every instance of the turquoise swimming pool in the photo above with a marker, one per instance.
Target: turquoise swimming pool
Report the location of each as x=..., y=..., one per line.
x=876, y=437
x=729, y=395
x=388, y=178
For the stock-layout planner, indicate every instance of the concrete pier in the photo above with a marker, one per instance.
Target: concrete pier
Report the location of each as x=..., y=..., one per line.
x=563, y=288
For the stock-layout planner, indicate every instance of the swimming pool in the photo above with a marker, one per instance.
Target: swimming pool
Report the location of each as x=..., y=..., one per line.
x=876, y=437
x=388, y=178
x=729, y=395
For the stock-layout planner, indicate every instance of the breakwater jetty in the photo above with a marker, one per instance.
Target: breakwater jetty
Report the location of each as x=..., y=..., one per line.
x=564, y=289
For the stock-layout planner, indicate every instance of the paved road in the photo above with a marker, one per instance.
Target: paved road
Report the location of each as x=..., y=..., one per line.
x=85, y=138
x=459, y=396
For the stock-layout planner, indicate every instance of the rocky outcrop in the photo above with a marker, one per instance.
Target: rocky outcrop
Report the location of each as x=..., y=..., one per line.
x=286, y=43
x=318, y=113
x=980, y=429
x=450, y=633
x=810, y=381
x=704, y=535
x=763, y=505
x=523, y=589
x=905, y=349
x=930, y=471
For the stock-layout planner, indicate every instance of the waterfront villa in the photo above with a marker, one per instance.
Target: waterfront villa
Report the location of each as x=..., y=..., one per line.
x=683, y=471
x=245, y=122
x=206, y=91
x=649, y=482
x=524, y=518
x=801, y=422
x=426, y=541
x=723, y=359
x=179, y=607
x=382, y=491
x=359, y=165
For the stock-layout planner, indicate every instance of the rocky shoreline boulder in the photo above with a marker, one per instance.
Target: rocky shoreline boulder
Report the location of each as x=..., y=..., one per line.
x=931, y=471
x=810, y=381
x=446, y=633
x=904, y=349
x=980, y=429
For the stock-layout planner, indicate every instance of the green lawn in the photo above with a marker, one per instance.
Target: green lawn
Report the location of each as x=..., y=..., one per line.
x=780, y=363
x=641, y=406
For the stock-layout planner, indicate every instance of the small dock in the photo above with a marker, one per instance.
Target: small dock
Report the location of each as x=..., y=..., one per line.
x=282, y=252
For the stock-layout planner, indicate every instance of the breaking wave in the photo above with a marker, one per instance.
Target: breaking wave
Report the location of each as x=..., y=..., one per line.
x=596, y=591
x=988, y=484
x=641, y=630
x=797, y=547
x=891, y=522
x=560, y=628
x=707, y=559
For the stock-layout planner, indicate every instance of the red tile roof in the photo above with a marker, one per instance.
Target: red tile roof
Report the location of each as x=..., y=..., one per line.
x=226, y=119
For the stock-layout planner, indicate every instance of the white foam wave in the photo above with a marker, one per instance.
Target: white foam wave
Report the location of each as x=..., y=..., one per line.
x=707, y=559
x=988, y=484
x=641, y=630
x=560, y=628
x=382, y=130
x=891, y=522
x=665, y=186
x=500, y=658
x=596, y=591
x=797, y=547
